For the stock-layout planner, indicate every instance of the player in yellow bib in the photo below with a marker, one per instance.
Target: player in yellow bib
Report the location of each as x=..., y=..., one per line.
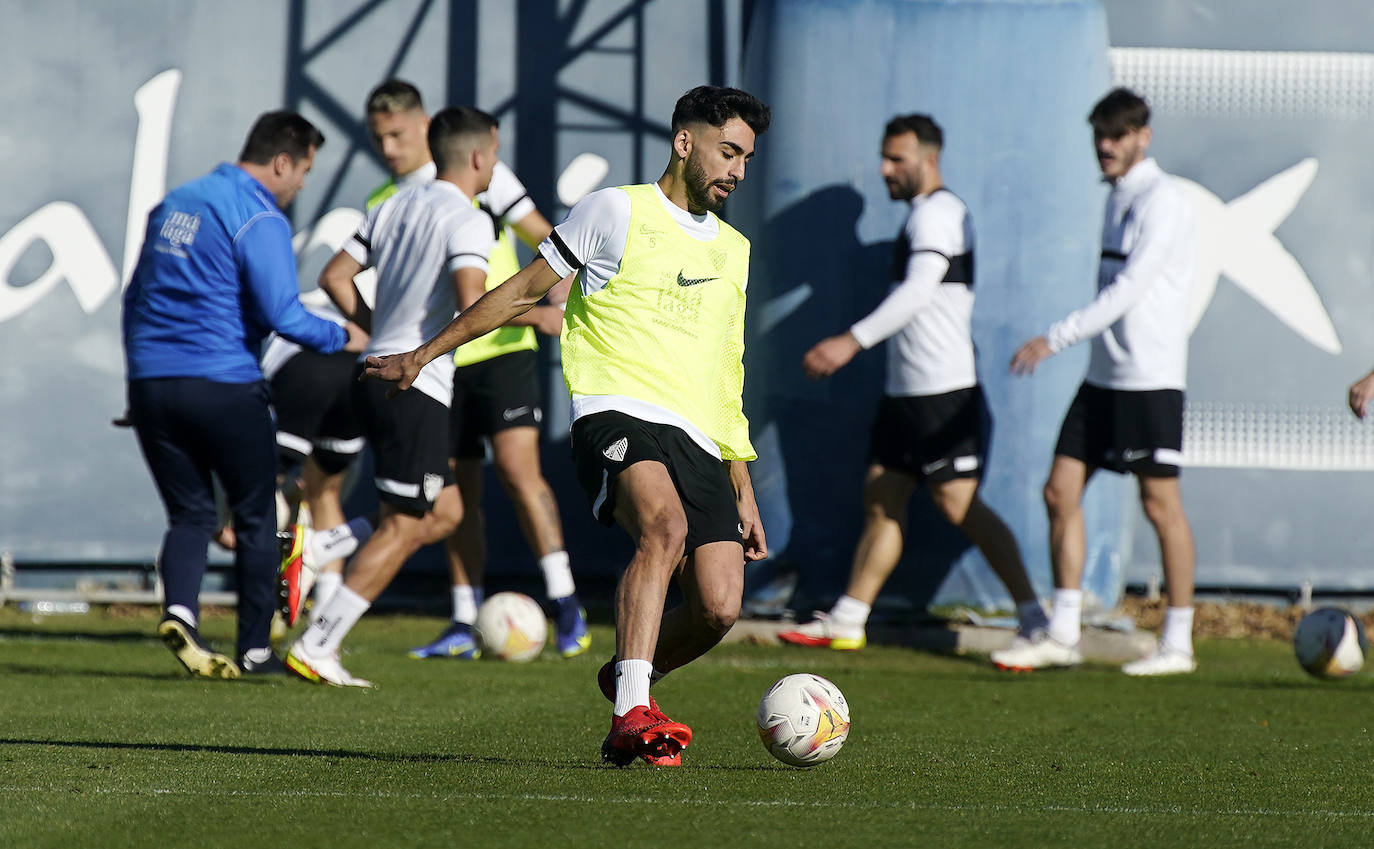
x=652, y=355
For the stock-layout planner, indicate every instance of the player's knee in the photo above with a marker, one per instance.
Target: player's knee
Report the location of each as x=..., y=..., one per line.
x=720, y=614
x=1162, y=512
x=952, y=506
x=665, y=534
x=1058, y=500
x=443, y=519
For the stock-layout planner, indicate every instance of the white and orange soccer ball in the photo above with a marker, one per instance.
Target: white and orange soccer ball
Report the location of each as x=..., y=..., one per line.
x=803, y=719
x=511, y=626
x=1330, y=643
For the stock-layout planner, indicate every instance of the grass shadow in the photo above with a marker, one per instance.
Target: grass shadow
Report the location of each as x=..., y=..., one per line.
x=350, y=754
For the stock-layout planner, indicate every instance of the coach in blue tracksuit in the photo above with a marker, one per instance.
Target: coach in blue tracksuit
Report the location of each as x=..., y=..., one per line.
x=216, y=274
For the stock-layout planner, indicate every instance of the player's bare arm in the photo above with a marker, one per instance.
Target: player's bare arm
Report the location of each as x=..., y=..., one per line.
x=498, y=307
x=337, y=282
x=1030, y=355
x=830, y=355
x=533, y=229
x=755, y=545
x=1361, y=393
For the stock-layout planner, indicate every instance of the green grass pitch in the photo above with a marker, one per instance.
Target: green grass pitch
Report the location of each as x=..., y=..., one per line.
x=104, y=742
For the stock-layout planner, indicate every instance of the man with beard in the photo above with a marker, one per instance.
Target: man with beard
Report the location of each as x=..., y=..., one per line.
x=931, y=426
x=652, y=355
x=1128, y=414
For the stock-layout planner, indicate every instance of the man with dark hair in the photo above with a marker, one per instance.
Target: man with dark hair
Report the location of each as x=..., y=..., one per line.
x=429, y=246
x=216, y=272
x=1128, y=414
x=652, y=355
x=931, y=427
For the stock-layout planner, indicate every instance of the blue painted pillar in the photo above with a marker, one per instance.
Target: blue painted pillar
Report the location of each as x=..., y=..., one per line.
x=1011, y=83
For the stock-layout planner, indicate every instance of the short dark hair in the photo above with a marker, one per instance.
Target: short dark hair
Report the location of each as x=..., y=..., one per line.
x=280, y=132
x=1120, y=112
x=714, y=105
x=923, y=126
x=394, y=96
x=457, y=131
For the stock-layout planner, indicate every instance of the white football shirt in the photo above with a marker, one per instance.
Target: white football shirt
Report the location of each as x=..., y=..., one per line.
x=926, y=317
x=416, y=240
x=1138, y=322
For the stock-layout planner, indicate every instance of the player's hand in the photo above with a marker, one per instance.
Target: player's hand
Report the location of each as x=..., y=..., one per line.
x=225, y=538
x=1361, y=393
x=1030, y=355
x=751, y=528
x=357, y=338
x=548, y=320
x=400, y=369
x=830, y=355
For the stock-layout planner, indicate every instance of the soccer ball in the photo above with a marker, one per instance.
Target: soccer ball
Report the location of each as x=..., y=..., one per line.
x=1330, y=643
x=511, y=626
x=803, y=720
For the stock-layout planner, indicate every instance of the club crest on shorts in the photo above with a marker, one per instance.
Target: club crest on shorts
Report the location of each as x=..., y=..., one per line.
x=431, y=485
x=615, y=452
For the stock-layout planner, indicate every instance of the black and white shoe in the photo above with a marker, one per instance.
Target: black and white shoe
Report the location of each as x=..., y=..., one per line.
x=199, y=660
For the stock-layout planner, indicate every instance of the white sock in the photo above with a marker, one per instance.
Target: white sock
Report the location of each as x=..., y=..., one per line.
x=631, y=685
x=558, y=579
x=1178, y=629
x=334, y=622
x=1066, y=620
x=339, y=542
x=182, y=612
x=1030, y=617
x=326, y=584
x=464, y=603
x=848, y=610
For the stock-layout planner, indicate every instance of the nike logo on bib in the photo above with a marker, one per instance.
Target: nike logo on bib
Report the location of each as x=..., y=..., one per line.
x=514, y=413
x=692, y=281
x=1132, y=454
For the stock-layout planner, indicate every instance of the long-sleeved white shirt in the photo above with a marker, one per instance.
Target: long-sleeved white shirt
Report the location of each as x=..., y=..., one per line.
x=926, y=316
x=1138, y=322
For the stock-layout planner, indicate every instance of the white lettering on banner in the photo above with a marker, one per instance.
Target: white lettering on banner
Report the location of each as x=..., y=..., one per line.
x=77, y=256
x=154, y=101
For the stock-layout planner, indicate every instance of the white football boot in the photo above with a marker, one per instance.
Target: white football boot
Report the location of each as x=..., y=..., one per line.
x=1164, y=660
x=1037, y=651
x=321, y=669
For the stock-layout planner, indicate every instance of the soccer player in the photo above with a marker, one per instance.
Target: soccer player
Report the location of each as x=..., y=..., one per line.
x=496, y=392
x=1128, y=414
x=428, y=244
x=930, y=427
x=652, y=350
x=496, y=395
x=216, y=272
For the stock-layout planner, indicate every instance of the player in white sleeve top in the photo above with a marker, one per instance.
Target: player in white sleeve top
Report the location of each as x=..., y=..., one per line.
x=1128, y=414
x=932, y=425
x=428, y=243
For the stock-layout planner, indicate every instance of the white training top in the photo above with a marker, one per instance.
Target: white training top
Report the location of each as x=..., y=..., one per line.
x=595, y=232
x=416, y=240
x=927, y=315
x=1138, y=322
x=506, y=199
